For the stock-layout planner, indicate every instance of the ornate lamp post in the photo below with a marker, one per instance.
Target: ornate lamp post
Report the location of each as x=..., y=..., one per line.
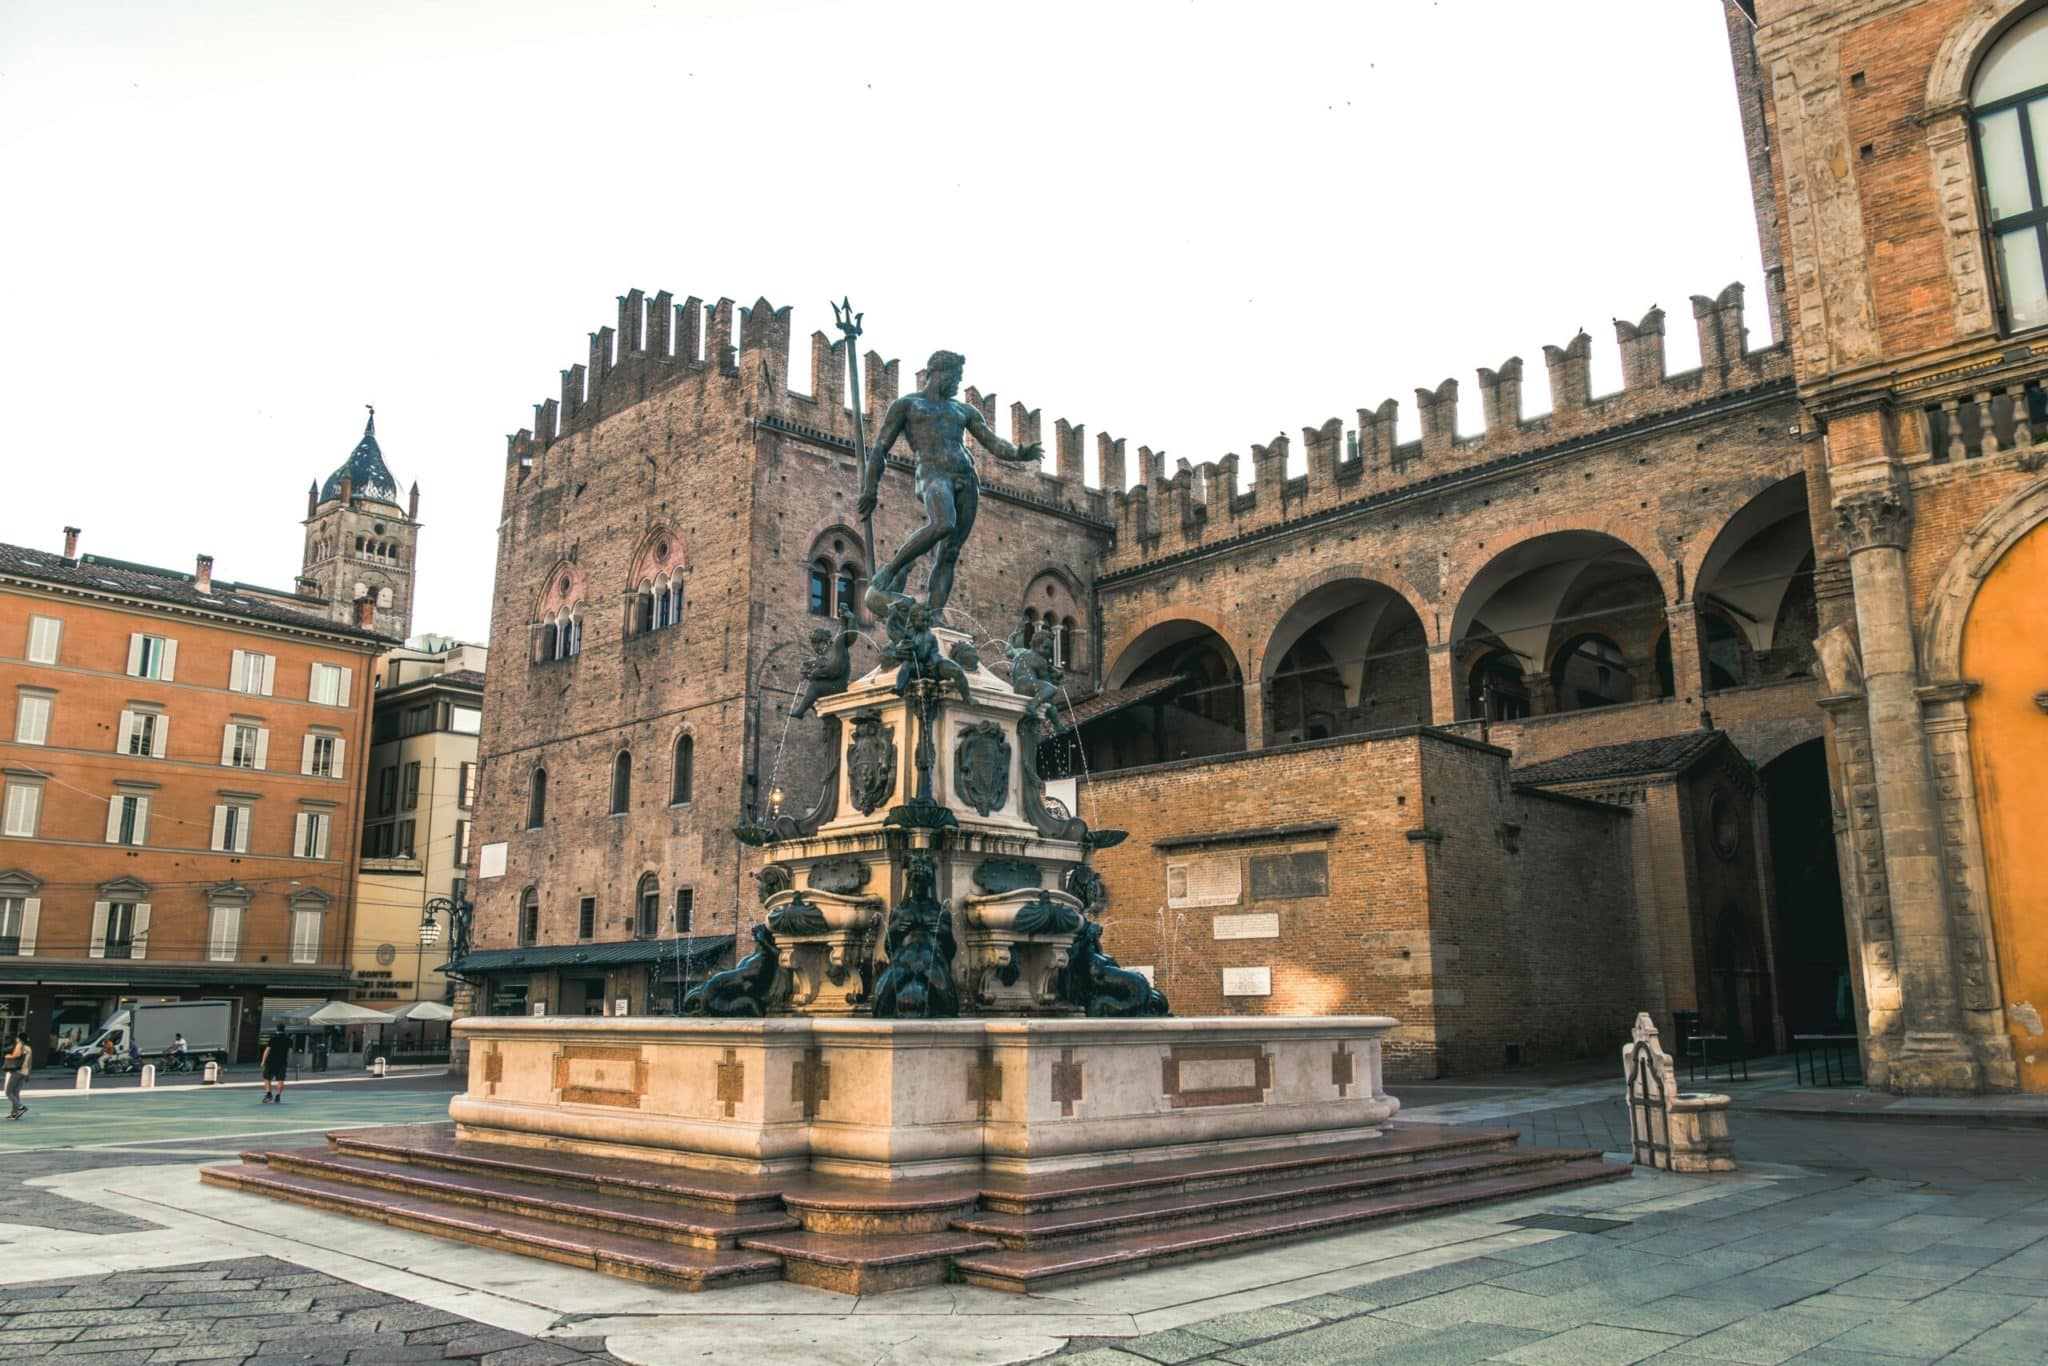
x=430, y=934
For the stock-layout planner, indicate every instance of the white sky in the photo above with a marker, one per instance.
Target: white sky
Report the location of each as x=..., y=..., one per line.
x=1191, y=224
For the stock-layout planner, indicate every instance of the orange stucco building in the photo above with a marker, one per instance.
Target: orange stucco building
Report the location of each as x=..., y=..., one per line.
x=183, y=765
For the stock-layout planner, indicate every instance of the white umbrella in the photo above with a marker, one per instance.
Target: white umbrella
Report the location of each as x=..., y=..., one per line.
x=423, y=1011
x=347, y=1013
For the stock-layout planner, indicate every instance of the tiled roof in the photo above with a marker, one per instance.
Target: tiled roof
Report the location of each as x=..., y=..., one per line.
x=699, y=951
x=1666, y=754
x=149, y=583
x=1112, y=700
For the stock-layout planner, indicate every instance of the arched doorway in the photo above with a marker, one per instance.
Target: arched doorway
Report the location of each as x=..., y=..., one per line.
x=1349, y=657
x=2005, y=653
x=1808, y=938
x=1180, y=695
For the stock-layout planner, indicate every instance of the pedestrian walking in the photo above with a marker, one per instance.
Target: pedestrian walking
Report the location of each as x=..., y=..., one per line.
x=277, y=1056
x=16, y=1064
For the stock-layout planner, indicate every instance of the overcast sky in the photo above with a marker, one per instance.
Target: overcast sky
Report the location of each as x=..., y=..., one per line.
x=1193, y=225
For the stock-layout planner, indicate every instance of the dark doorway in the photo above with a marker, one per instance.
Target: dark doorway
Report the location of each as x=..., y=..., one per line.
x=1812, y=947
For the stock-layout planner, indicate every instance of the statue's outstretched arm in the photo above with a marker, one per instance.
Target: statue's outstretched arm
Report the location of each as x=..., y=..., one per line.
x=1030, y=451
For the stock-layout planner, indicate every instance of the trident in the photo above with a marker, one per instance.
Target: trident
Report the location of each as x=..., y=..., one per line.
x=848, y=322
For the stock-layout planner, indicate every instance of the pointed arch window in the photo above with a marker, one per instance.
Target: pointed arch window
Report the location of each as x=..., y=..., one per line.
x=622, y=782
x=537, y=800
x=820, y=600
x=2009, y=106
x=680, y=776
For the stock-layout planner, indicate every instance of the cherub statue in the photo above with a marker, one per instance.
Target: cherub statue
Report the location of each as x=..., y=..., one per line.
x=830, y=666
x=912, y=643
x=1032, y=672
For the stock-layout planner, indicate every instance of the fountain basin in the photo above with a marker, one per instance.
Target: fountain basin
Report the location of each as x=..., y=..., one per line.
x=892, y=1099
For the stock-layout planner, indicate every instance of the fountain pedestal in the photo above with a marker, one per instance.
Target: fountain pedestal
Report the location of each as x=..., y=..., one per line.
x=956, y=777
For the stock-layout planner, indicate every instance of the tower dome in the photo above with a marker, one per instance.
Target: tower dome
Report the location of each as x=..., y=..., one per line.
x=365, y=471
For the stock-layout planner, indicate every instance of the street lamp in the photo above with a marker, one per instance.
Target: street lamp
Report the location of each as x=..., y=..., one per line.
x=430, y=934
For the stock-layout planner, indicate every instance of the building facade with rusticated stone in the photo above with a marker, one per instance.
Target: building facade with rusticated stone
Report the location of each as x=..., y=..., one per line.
x=1664, y=698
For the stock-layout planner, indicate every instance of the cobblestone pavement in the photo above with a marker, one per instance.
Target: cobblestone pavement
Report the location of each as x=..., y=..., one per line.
x=1892, y=1242
x=252, y=1310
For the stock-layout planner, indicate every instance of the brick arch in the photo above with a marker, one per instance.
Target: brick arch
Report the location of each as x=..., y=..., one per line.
x=1948, y=603
x=1393, y=580
x=550, y=596
x=1955, y=61
x=647, y=564
x=834, y=526
x=1614, y=527
x=1702, y=546
x=1136, y=632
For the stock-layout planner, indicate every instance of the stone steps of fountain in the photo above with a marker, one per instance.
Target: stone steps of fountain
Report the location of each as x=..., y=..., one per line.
x=607, y=1212
x=1026, y=1269
x=436, y=1147
x=1199, y=1205
x=1398, y=1145
x=865, y=1263
x=695, y=1229
x=613, y=1254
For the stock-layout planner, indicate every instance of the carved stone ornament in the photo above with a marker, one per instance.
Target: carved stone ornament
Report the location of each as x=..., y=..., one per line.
x=1007, y=874
x=772, y=878
x=842, y=875
x=981, y=766
x=797, y=917
x=1873, y=517
x=870, y=762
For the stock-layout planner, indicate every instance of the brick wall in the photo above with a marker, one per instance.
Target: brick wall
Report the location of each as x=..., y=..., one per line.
x=1469, y=911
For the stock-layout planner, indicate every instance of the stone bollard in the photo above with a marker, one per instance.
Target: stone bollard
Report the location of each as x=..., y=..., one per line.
x=1679, y=1131
x=84, y=1082
x=211, y=1075
x=149, y=1076
x=377, y=1068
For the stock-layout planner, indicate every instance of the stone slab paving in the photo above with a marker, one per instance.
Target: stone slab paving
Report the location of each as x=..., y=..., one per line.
x=253, y=1310
x=1866, y=1241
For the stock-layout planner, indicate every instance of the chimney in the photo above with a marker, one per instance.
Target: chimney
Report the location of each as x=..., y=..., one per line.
x=366, y=612
x=70, y=542
x=202, y=576
x=348, y=489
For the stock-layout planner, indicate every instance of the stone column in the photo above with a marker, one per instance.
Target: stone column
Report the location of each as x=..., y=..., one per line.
x=466, y=1004
x=1688, y=665
x=1945, y=714
x=1443, y=685
x=1866, y=906
x=1934, y=1056
x=1255, y=711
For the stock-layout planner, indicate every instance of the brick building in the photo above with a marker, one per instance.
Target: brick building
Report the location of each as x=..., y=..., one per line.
x=1698, y=669
x=182, y=766
x=1908, y=214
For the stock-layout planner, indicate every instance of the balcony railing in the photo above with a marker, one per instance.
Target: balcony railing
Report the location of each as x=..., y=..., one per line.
x=10, y=946
x=1974, y=426
x=119, y=949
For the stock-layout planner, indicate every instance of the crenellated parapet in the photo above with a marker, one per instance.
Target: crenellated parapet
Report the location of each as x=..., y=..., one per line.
x=1156, y=518
x=658, y=343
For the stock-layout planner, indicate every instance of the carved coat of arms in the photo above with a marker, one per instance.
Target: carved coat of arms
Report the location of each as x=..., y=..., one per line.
x=870, y=762
x=981, y=766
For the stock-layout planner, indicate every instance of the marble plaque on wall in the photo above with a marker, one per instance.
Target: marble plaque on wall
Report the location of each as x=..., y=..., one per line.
x=1260, y=926
x=1247, y=981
